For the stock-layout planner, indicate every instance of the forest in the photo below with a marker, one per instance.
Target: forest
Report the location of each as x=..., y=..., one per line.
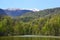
x=45, y=22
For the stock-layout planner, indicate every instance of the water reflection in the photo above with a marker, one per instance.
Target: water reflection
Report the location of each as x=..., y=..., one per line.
x=27, y=38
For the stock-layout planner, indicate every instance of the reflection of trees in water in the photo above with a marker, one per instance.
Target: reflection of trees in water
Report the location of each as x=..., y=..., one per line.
x=57, y=38
x=27, y=38
x=51, y=38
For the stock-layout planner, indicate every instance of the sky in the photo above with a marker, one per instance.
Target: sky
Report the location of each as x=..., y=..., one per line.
x=29, y=4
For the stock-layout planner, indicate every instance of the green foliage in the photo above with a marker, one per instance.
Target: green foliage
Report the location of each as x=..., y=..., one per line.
x=52, y=27
x=45, y=22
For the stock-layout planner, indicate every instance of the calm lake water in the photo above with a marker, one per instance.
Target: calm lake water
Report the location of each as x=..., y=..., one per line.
x=28, y=38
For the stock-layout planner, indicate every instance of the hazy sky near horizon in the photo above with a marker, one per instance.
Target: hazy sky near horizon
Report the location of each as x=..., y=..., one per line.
x=29, y=4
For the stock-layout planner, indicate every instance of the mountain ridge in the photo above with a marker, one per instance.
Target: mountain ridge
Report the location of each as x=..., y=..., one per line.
x=14, y=12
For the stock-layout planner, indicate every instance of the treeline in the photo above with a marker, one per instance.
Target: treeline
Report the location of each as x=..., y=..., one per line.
x=49, y=25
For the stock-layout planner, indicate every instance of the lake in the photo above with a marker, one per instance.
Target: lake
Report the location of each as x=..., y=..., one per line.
x=28, y=37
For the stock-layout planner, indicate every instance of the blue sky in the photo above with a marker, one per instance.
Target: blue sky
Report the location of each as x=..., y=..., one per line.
x=30, y=4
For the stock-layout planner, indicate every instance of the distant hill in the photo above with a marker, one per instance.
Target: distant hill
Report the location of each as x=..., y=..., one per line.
x=15, y=12
x=2, y=13
x=42, y=13
x=23, y=13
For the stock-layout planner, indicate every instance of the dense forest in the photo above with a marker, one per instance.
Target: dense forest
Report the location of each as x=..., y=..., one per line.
x=44, y=22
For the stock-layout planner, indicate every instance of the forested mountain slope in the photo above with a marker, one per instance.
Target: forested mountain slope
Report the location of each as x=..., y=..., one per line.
x=42, y=13
x=44, y=22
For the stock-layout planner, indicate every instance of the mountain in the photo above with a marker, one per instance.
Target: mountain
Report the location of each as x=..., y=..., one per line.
x=17, y=12
x=2, y=13
x=30, y=13
x=42, y=13
x=43, y=22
